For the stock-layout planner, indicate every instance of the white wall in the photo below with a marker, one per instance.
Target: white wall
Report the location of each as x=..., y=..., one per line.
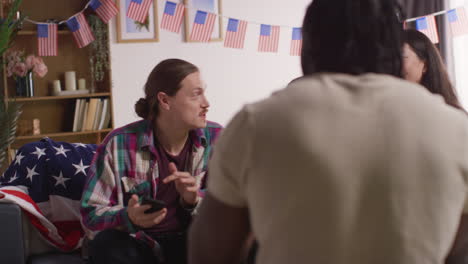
x=460, y=52
x=234, y=77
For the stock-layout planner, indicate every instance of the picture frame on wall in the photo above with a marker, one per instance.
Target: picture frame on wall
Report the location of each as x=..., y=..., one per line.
x=213, y=6
x=131, y=31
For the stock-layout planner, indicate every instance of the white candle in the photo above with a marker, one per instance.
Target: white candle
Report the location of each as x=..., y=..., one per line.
x=81, y=84
x=57, y=87
x=70, y=81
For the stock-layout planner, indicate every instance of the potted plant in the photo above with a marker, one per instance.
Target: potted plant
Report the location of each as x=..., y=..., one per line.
x=9, y=111
x=98, y=52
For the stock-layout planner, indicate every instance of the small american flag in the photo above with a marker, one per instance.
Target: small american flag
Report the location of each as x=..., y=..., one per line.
x=47, y=39
x=427, y=25
x=235, y=34
x=296, y=42
x=203, y=26
x=138, y=9
x=105, y=9
x=458, y=21
x=80, y=30
x=269, y=38
x=172, y=17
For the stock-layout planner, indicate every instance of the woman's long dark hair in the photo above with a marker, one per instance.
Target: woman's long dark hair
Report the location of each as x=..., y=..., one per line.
x=352, y=36
x=435, y=78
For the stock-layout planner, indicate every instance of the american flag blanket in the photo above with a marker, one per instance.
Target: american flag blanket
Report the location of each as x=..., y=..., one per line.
x=46, y=180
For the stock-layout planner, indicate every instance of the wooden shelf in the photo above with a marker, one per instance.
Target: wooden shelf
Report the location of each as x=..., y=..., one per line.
x=56, y=114
x=34, y=32
x=63, y=134
x=62, y=97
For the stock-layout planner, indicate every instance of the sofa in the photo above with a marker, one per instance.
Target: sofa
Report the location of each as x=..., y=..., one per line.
x=15, y=241
x=52, y=174
x=39, y=170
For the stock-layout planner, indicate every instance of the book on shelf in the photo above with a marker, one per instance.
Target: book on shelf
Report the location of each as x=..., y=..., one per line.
x=76, y=116
x=84, y=115
x=91, y=113
x=105, y=107
x=97, y=115
x=107, y=117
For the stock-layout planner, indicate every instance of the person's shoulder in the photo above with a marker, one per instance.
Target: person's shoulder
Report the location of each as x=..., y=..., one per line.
x=213, y=125
x=132, y=128
x=212, y=130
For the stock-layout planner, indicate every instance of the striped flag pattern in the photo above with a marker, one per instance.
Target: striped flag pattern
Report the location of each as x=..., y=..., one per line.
x=269, y=38
x=427, y=25
x=105, y=9
x=203, y=26
x=458, y=21
x=172, y=17
x=296, y=42
x=47, y=39
x=138, y=10
x=235, y=34
x=80, y=30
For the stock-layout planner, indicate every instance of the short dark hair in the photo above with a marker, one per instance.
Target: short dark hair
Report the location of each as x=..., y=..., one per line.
x=435, y=78
x=165, y=77
x=352, y=36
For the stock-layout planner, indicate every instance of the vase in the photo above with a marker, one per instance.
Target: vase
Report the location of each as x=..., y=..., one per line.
x=25, y=86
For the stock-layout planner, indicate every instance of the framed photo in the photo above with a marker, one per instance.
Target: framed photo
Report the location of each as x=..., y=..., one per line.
x=129, y=30
x=213, y=6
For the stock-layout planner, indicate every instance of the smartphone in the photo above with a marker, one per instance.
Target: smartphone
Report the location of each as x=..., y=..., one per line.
x=156, y=205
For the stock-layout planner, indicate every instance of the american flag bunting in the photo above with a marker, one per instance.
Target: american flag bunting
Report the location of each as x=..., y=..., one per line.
x=235, y=33
x=105, y=9
x=203, y=26
x=138, y=10
x=47, y=39
x=172, y=17
x=458, y=21
x=80, y=30
x=269, y=38
x=296, y=42
x=427, y=25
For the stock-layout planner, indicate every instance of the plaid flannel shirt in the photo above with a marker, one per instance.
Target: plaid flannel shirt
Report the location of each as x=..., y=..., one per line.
x=126, y=163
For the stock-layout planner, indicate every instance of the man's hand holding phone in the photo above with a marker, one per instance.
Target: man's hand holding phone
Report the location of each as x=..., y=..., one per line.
x=136, y=212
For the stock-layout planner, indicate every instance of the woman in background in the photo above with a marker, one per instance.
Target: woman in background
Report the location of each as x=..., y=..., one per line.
x=423, y=64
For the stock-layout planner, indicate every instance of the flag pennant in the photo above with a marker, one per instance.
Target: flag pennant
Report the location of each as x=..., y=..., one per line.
x=235, y=34
x=296, y=42
x=458, y=21
x=138, y=10
x=172, y=17
x=105, y=9
x=427, y=25
x=47, y=39
x=269, y=38
x=80, y=30
x=203, y=26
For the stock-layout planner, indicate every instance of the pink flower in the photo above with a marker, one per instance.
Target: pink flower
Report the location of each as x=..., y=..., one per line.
x=20, y=69
x=40, y=69
x=30, y=62
x=18, y=64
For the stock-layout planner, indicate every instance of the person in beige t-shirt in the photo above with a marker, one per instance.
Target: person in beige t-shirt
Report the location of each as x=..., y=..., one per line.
x=348, y=164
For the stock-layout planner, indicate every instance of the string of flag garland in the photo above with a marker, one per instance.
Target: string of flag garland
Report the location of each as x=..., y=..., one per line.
x=203, y=26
